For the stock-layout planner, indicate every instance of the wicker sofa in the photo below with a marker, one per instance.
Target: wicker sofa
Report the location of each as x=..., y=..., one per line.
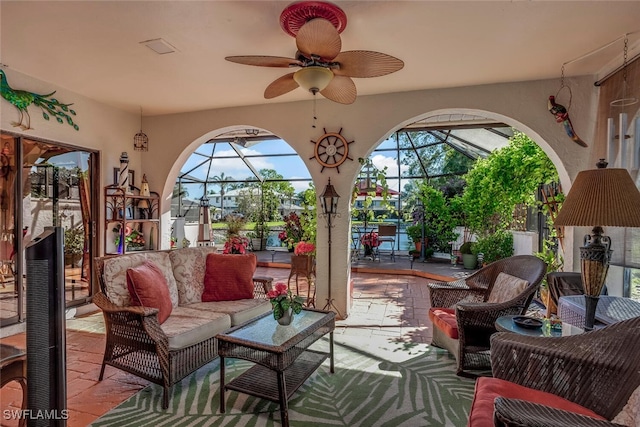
x=138, y=343
x=580, y=380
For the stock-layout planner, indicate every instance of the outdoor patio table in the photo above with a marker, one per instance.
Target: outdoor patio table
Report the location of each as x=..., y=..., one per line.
x=505, y=324
x=281, y=355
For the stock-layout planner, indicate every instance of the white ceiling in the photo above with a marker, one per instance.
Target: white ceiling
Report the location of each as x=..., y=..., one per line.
x=93, y=47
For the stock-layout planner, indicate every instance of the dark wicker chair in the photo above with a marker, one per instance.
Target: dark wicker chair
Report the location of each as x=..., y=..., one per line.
x=598, y=370
x=475, y=317
x=137, y=344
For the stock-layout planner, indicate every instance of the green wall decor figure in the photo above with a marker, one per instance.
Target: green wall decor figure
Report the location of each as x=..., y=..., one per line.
x=22, y=99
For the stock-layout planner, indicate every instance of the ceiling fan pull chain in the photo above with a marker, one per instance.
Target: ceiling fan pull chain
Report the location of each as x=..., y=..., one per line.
x=313, y=124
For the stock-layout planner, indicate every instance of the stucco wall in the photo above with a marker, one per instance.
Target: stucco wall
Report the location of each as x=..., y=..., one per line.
x=368, y=121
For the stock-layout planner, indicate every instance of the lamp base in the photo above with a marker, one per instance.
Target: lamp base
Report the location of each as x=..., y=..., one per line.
x=590, y=304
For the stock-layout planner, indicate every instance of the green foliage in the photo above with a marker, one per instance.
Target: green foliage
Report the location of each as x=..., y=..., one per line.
x=73, y=241
x=378, y=177
x=308, y=218
x=549, y=255
x=438, y=218
x=414, y=232
x=467, y=248
x=494, y=246
x=507, y=177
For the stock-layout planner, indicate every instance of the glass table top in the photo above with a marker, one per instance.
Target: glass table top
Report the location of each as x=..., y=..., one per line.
x=267, y=331
x=505, y=324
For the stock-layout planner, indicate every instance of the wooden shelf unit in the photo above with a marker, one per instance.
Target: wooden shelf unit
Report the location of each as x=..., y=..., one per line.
x=124, y=209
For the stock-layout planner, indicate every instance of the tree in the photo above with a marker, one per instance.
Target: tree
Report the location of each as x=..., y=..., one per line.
x=221, y=180
x=507, y=177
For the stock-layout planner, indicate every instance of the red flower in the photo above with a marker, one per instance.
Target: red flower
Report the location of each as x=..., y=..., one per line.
x=370, y=239
x=304, y=248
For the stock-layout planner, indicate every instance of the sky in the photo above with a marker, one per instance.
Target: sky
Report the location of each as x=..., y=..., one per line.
x=291, y=167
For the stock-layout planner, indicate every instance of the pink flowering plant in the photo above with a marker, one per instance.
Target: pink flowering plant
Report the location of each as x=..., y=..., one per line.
x=235, y=245
x=305, y=248
x=282, y=299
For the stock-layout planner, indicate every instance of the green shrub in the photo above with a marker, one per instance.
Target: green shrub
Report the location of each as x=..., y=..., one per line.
x=494, y=246
x=414, y=232
x=467, y=248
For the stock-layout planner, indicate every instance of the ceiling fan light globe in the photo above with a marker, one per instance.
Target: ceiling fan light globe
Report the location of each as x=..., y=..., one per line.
x=314, y=78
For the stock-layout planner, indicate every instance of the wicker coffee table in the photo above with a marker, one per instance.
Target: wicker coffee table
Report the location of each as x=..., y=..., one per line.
x=281, y=354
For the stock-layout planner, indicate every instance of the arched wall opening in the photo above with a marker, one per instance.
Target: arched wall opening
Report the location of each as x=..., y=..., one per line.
x=240, y=171
x=368, y=122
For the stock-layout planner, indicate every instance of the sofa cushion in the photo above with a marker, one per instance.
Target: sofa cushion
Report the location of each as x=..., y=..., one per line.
x=188, y=270
x=487, y=389
x=240, y=311
x=115, y=275
x=445, y=320
x=229, y=277
x=506, y=287
x=148, y=288
x=186, y=327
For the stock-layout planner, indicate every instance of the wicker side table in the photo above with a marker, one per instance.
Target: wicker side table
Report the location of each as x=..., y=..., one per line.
x=282, y=359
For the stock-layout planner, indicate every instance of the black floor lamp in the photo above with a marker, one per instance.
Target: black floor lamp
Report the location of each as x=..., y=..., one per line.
x=329, y=201
x=599, y=197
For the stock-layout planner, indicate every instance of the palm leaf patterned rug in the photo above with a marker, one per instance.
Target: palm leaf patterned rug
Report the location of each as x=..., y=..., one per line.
x=377, y=382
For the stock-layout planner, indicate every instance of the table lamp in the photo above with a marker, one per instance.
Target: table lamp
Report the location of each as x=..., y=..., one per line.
x=599, y=197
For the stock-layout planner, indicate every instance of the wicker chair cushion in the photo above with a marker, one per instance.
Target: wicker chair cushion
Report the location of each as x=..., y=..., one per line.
x=188, y=269
x=186, y=326
x=488, y=389
x=115, y=275
x=229, y=277
x=445, y=320
x=630, y=414
x=148, y=288
x=240, y=311
x=506, y=287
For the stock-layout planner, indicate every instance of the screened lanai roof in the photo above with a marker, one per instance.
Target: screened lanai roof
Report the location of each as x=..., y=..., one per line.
x=238, y=156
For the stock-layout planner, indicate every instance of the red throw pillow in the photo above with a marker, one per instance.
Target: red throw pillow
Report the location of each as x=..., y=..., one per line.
x=229, y=277
x=148, y=288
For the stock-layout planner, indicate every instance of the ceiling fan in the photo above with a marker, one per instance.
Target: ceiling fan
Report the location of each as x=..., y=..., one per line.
x=323, y=67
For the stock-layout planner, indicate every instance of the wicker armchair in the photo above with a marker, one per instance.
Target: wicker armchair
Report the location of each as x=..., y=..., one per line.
x=598, y=370
x=136, y=343
x=474, y=316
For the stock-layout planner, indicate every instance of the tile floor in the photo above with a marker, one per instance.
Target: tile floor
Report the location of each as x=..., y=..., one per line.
x=391, y=305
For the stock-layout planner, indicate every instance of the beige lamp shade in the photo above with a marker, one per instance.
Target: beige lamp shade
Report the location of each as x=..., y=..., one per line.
x=601, y=197
x=314, y=79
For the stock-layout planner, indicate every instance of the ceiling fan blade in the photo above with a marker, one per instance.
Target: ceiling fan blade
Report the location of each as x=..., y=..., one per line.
x=341, y=89
x=280, y=86
x=319, y=37
x=366, y=63
x=264, y=61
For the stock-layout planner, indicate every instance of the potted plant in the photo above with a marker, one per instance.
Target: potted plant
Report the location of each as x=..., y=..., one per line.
x=73, y=246
x=414, y=232
x=469, y=256
x=257, y=236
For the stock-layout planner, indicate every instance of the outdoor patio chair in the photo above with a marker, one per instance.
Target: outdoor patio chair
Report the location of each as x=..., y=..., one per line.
x=579, y=380
x=464, y=312
x=387, y=234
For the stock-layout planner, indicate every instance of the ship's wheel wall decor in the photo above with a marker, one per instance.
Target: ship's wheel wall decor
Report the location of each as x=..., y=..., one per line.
x=331, y=150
